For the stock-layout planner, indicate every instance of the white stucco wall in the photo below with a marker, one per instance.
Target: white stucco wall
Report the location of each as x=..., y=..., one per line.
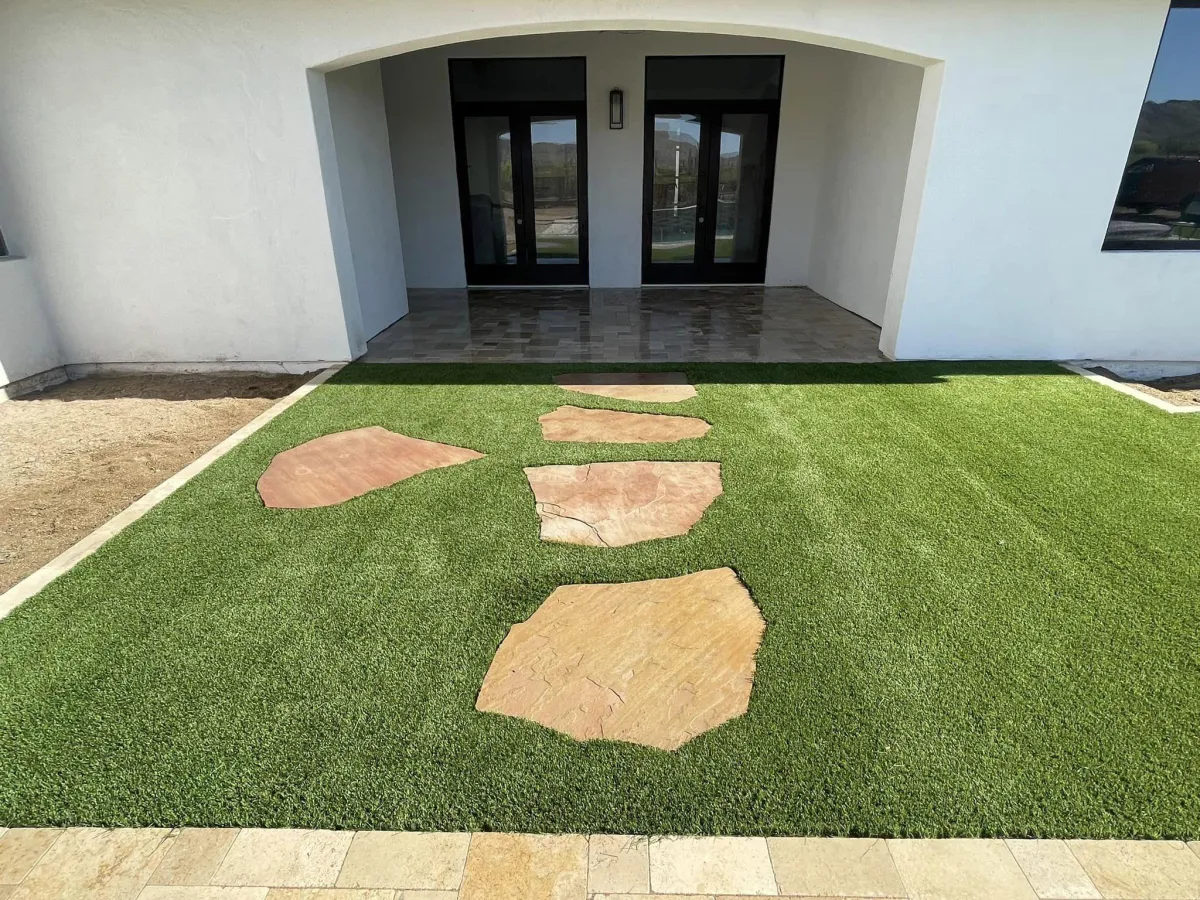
x=27, y=343
x=165, y=161
x=873, y=112
x=419, y=119
x=364, y=167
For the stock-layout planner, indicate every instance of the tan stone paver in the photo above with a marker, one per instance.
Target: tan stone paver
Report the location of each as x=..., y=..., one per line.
x=193, y=856
x=607, y=426
x=835, y=867
x=650, y=662
x=395, y=859
x=526, y=867
x=20, y=850
x=613, y=504
x=959, y=869
x=96, y=863
x=427, y=895
x=6, y=890
x=284, y=857
x=618, y=864
x=711, y=865
x=329, y=894
x=1140, y=870
x=1052, y=870
x=652, y=387
x=337, y=467
x=201, y=892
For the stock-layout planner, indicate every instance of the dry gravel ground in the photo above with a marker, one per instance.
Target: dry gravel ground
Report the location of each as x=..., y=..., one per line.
x=73, y=456
x=1181, y=390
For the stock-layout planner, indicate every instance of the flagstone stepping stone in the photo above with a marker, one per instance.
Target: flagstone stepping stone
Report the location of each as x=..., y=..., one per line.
x=572, y=423
x=648, y=662
x=336, y=467
x=645, y=387
x=617, y=503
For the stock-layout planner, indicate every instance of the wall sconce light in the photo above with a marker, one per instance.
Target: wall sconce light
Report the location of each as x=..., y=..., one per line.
x=616, y=108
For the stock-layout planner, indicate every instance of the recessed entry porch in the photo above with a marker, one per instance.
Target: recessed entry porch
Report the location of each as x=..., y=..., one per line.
x=705, y=324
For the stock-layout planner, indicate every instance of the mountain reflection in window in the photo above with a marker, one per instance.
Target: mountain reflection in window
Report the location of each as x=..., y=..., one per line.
x=1158, y=203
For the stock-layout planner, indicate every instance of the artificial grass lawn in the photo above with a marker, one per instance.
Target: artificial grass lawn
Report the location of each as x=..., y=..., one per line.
x=980, y=585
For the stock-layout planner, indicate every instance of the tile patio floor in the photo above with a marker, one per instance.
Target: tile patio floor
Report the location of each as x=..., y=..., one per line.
x=707, y=324
x=258, y=864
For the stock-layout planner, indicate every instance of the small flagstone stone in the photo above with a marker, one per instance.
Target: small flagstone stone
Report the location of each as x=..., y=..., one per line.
x=596, y=426
x=644, y=387
x=649, y=662
x=617, y=503
x=337, y=467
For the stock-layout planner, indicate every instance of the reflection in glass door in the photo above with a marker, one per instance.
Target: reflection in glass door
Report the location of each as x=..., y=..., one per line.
x=555, y=161
x=674, y=188
x=522, y=189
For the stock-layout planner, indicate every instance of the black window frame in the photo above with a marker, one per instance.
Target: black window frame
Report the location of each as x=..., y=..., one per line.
x=1151, y=245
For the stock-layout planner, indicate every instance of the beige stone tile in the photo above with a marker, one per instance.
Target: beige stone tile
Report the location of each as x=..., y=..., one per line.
x=1132, y=870
x=193, y=855
x=6, y=890
x=201, y=892
x=284, y=857
x=1053, y=870
x=96, y=863
x=959, y=869
x=330, y=894
x=618, y=864
x=21, y=848
x=835, y=867
x=394, y=859
x=427, y=895
x=659, y=897
x=526, y=867
x=711, y=865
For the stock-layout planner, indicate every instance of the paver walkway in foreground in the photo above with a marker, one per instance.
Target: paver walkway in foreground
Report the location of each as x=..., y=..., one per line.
x=259, y=864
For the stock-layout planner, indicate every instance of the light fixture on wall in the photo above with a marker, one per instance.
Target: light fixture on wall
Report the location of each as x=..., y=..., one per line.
x=616, y=108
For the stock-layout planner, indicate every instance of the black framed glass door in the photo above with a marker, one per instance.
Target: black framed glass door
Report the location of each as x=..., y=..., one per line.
x=711, y=130
x=522, y=189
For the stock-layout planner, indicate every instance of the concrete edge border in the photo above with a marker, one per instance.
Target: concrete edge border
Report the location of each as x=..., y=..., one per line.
x=1129, y=391
x=31, y=384
x=68, y=559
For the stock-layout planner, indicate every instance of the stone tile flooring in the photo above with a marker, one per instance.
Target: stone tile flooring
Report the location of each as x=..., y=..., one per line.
x=284, y=864
x=703, y=324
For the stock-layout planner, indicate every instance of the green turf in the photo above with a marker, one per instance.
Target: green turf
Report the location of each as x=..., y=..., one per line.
x=981, y=586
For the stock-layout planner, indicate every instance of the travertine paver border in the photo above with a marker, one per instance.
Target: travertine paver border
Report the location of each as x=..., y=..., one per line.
x=68, y=559
x=295, y=864
x=1133, y=392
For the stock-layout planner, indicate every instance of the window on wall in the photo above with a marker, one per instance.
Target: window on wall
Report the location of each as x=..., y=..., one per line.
x=1158, y=202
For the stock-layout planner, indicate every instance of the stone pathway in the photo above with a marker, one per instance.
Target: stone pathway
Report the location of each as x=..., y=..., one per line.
x=337, y=467
x=617, y=503
x=651, y=662
x=607, y=426
x=256, y=864
x=642, y=387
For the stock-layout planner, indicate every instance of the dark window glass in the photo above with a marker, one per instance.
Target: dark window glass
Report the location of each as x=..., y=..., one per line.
x=3, y=246
x=1158, y=203
x=713, y=77
x=506, y=80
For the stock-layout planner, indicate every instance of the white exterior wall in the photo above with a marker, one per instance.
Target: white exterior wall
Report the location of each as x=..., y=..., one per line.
x=419, y=119
x=867, y=157
x=166, y=173
x=27, y=343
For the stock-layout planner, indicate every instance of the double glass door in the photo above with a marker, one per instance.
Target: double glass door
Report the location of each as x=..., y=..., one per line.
x=523, y=192
x=709, y=172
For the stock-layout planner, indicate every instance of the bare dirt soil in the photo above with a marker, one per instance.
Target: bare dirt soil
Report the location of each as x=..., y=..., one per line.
x=1181, y=390
x=75, y=455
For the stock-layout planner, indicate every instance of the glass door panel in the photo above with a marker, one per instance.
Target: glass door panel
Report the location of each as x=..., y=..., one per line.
x=675, y=188
x=490, y=205
x=555, y=161
x=741, y=187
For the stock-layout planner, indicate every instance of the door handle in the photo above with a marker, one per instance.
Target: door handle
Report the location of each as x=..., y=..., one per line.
x=520, y=221
x=700, y=220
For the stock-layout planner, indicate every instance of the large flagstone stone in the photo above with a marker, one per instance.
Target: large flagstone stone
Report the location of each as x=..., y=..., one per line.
x=617, y=503
x=649, y=662
x=645, y=387
x=572, y=423
x=337, y=467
